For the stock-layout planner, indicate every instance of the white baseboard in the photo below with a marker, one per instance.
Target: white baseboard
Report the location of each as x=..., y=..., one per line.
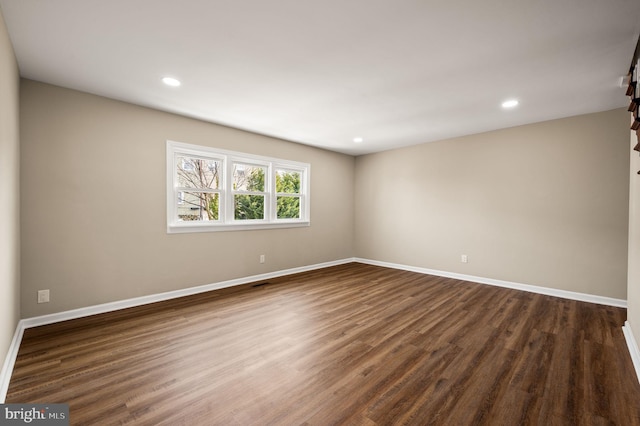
x=583, y=297
x=153, y=298
x=633, y=347
x=7, y=369
x=10, y=360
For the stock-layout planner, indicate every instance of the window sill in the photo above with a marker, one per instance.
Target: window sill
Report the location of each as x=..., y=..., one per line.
x=188, y=228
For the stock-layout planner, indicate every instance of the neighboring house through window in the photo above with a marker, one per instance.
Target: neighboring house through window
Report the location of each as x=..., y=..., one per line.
x=210, y=189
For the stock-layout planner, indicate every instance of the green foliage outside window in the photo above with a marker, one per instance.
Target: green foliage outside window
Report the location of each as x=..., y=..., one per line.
x=288, y=206
x=248, y=206
x=205, y=174
x=213, y=206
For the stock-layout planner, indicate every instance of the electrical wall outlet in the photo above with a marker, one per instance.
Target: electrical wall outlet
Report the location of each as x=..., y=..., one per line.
x=43, y=296
x=464, y=258
x=262, y=258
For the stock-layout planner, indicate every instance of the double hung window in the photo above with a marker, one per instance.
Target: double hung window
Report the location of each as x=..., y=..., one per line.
x=210, y=189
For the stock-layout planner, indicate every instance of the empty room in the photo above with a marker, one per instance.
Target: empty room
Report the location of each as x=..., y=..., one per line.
x=320, y=213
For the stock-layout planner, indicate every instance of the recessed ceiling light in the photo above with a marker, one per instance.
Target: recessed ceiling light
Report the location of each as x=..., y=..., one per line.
x=170, y=81
x=511, y=103
x=358, y=140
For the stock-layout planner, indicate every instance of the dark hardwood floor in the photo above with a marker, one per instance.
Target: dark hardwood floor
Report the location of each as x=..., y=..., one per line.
x=353, y=344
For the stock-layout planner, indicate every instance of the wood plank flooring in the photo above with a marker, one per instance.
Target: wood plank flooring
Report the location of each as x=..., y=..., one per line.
x=353, y=344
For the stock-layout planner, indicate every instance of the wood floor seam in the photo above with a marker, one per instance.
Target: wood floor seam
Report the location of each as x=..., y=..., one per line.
x=348, y=344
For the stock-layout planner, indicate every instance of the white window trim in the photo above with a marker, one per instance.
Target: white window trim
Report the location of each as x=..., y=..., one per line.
x=227, y=221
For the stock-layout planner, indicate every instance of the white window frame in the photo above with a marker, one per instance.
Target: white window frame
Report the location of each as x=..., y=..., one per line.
x=227, y=221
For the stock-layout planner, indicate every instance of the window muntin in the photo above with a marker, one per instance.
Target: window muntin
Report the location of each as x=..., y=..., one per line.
x=214, y=190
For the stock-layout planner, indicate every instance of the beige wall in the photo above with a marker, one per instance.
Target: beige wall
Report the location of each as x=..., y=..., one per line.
x=633, y=285
x=9, y=193
x=543, y=204
x=94, y=207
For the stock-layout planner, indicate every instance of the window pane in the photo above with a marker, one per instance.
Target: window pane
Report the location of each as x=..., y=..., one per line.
x=248, y=178
x=288, y=207
x=287, y=182
x=211, y=189
x=198, y=206
x=198, y=173
x=249, y=207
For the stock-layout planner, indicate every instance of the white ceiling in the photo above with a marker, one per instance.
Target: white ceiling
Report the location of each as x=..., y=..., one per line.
x=395, y=72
